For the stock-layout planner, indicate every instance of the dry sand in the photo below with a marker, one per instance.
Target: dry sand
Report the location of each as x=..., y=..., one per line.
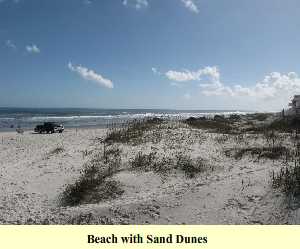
x=230, y=191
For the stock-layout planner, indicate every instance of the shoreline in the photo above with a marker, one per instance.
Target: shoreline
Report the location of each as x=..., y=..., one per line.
x=13, y=130
x=30, y=120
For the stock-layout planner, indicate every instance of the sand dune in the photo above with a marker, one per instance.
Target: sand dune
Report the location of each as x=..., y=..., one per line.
x=35, y=170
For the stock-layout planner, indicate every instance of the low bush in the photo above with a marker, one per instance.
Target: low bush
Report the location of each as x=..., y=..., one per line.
x=260, y=116
x=131, y=131
x=146, y=162
x=151, y=162
x=57, y=150
x=190, y=166
x=93, y=184
x=261, y=152
x=288, y=180
x=219, y=125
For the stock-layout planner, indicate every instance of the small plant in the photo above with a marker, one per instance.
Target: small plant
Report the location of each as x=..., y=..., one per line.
x=144, y=161
x=222, y=139
x=89, y=219
x=132, y=131
x=109, y=189
x=288, y=180
x=235, y=117
x=111, y=154
x=57, y=150
x=218, y=125
x=91, y=177
x=93, y=184
x=260, y=152
x=189, y=166
x=86, y=153
x=260, y=116
x=151, y=162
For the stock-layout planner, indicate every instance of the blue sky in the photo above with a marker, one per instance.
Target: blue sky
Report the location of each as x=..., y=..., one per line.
x=180, y=54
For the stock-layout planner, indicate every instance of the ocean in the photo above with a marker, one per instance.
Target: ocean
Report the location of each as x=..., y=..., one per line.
x=28, y=118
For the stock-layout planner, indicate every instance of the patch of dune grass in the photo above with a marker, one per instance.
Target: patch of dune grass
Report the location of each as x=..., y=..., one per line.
x=282, y=125
x=151, y=162
x=190, y=166
x=182, y=162
x=90, y=219
x=144, y=161
x=132, y=131
x=259, y=116
x=218, y=125
x=288, y=180
x=94, y=183
x=273, y=153
x=57, y=150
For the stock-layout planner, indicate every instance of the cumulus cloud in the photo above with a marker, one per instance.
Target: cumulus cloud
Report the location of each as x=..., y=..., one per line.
x=10, y=44
x=274, y=85
x=138, y=4
x=187, y=75
x=90, y=75
x=33, y=49
x=190, y=5
x=274, y=90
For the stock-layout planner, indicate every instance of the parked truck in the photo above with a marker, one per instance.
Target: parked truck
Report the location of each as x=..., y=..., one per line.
x=49, y=127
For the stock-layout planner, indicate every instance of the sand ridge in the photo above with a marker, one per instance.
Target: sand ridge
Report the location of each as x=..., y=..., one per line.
x=33, y=176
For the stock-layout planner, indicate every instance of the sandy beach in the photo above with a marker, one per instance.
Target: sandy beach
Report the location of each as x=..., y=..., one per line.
x=172, y=173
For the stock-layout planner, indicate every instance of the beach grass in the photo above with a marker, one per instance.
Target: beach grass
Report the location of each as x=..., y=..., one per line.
x=94, y=183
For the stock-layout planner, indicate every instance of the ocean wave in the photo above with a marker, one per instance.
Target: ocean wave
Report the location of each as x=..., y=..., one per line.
x=123, y=116
x=103, y=120
x=136, y=115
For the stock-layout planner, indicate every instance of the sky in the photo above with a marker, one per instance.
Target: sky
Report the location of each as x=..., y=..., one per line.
x=168, y=54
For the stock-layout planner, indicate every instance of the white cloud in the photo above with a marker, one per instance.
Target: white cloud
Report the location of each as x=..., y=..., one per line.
x=190, y=4
x=90, y=75
x=187, y=75
x=274, y=91
x=273, y=86
x=33, y=49
x=10, y=44
x=138, y=4
x=155, y=71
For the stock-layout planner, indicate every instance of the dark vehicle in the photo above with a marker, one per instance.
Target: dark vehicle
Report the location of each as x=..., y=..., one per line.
x=49, y=127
